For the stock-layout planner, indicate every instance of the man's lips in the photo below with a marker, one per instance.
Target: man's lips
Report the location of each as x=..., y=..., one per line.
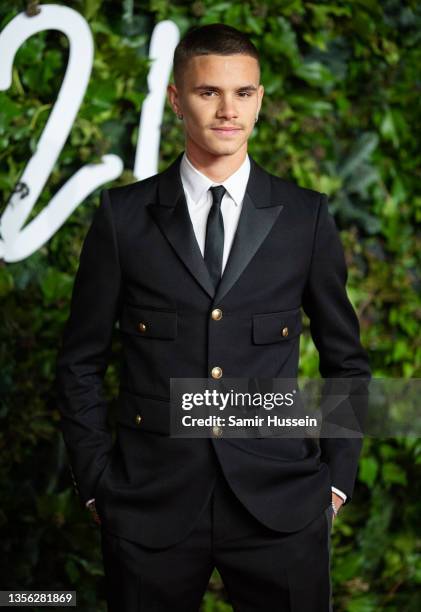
x=226, y=130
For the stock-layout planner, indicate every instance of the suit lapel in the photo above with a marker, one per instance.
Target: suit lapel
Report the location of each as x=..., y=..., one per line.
x=253, y=226
x=258, y=215
x=257, y=218
x=171, y=214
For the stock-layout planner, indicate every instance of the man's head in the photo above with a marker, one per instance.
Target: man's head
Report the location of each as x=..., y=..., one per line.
x=216, y=85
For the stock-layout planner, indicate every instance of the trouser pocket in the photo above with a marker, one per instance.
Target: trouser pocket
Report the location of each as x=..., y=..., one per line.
x=329, y=517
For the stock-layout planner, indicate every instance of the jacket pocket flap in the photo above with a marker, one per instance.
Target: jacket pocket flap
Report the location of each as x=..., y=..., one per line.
x=276, y=326
x=144, y=413
x=149, y=323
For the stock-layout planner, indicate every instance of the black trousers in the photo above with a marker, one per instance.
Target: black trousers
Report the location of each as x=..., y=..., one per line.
x=262, y=570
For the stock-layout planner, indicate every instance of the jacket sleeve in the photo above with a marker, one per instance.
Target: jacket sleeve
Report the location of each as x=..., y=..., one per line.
x=335, y=331
x=83, y=357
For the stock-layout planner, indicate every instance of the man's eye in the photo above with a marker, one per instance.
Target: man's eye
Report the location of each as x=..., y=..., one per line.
x=241, y=93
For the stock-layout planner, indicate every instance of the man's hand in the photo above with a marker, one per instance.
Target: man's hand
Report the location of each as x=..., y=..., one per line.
x=338, y=501
x=92, y=510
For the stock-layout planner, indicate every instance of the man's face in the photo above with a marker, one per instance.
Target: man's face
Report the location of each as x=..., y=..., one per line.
x=217, y=92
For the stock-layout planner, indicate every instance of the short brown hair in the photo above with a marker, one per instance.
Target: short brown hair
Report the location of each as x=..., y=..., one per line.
x=213, y=38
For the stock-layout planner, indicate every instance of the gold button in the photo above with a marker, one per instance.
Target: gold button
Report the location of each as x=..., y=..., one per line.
x=138, y=419
x=285, y=332
x=216, y=314
x=142, y=327
x=217, y=431
x=216, y=372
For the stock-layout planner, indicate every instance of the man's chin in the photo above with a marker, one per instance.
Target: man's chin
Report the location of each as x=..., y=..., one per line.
x=224, y=148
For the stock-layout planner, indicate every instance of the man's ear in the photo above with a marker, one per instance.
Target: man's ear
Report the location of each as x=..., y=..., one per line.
x=261, y=92
x=171, y=93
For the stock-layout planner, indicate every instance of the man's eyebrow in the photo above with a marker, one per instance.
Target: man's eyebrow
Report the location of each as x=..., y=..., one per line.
x=214, y=88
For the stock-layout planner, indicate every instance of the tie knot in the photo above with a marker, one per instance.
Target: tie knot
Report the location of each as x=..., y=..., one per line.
x=217, y=193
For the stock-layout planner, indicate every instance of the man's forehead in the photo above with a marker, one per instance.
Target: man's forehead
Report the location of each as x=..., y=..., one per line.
x=227, y=60
x=210, y=70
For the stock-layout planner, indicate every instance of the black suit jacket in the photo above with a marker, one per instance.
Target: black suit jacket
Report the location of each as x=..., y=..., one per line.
x=140, y=262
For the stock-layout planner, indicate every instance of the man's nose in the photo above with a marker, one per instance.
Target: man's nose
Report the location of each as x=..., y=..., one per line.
x=227, y=108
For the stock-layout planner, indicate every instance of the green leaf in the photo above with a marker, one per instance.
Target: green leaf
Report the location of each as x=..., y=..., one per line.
x=393, y=473
x=368, y=470
x=315, y=73
x=7, y=284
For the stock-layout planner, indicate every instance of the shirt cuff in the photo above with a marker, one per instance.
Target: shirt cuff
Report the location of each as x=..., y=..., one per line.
x=339, y=492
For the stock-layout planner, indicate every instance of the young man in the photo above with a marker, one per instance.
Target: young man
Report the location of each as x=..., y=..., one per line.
x=206, y=267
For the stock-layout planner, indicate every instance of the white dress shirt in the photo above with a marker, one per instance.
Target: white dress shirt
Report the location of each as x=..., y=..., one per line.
x=199, y=202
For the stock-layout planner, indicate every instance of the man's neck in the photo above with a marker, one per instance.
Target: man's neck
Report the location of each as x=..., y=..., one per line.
x=216, y=167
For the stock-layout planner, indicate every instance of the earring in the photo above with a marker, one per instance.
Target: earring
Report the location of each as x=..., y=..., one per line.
x=255, y=121
x=179, y=116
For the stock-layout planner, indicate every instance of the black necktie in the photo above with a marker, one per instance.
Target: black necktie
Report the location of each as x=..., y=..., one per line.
x=214, y=245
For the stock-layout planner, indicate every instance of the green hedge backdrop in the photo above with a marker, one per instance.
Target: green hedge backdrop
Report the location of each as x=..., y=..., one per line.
x=340, y=113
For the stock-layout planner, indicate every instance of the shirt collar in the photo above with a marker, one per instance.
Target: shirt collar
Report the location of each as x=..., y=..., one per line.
x=196, y=183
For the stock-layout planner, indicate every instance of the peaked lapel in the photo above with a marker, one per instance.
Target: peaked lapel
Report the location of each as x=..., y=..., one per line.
x=171, y=214
x=257, y=218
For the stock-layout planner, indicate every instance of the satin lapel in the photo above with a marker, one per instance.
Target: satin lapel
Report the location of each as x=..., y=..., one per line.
x=171, y=214
x=257, y=218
